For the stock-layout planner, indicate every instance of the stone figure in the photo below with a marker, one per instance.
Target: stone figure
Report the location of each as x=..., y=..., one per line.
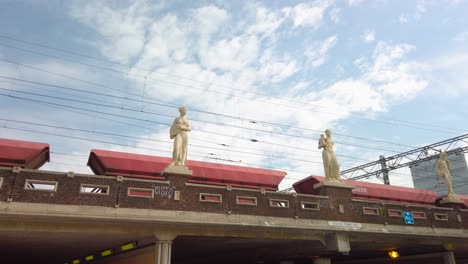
x=443, y=171
x=179, y=132
x=330, y=163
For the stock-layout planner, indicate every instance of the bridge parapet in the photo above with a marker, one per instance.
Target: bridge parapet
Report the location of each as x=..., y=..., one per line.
x=176, y=194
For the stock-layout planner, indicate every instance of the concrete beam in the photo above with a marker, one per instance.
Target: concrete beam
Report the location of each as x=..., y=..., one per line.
x=29, y=216
x=322, y=261
x=338, y=242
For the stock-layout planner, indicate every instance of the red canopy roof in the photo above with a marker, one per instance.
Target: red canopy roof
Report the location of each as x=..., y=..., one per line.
x=25, y=154
x=373, y=191
x=105, y=162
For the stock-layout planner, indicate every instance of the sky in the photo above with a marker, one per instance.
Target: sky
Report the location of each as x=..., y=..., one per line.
x=261, y=79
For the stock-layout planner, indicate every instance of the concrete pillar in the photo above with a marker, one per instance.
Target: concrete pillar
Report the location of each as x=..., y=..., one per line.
x=163, y=250
x=338, y=242
x=322, y=261
x=449, y=258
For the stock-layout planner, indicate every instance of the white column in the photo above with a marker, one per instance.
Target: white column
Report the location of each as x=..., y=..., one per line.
x=449, y=258
x=322, y=261
x=163, y=252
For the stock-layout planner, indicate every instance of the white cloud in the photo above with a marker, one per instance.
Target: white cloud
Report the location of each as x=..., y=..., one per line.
x=308, y=14
x=399, y=80
x=317, y=52
x=335, y=15
x=209, y=19
x=298, y=87
x=462, y=36
x=350, y=95
x=123, y=29
x=385, y=54
x=420, y=9
x=387, y=78
x=167, y=43
x=355, y=2
x=455, y=60
x=266, y=22
x=231, y=54
x=273, y=69
x=368, y=36
x=449, y=73
x=403, y=18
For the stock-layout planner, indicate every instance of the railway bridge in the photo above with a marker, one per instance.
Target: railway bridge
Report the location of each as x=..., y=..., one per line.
x=130, y=211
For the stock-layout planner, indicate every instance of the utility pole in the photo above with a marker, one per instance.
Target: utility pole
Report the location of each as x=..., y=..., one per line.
x=384, y=169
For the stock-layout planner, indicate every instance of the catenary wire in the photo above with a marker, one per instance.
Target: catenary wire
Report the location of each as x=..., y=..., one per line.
x=150, y=71
x=145, y=148
x=153, y=140
x=160, y=123
x=173, y=106
x=103, y=86
x=166, y=115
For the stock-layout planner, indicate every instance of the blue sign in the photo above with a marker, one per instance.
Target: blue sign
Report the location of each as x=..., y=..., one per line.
x=408, y=218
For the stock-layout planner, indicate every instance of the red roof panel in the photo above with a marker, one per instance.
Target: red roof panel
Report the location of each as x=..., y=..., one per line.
x=373, y=191
x=25, y=154
x=144, y=166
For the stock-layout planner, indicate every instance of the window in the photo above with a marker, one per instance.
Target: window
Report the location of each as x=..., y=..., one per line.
x=395, y=213
x=440, y=217
x=140, y=192
x=94, y=189
x=310, y=206
x=245, y=200
x=38, y=185
x=208, y=197
x=419, y=215
x=279, y=203
x=370, y=211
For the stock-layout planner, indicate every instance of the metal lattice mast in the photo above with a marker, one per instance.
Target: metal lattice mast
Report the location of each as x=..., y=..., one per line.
x=381, y=167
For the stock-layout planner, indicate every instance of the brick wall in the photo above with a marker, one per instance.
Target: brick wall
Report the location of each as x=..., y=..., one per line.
x=333, y=204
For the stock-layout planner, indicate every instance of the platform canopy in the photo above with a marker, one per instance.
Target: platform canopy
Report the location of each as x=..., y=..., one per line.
x=25, y=154
x=376, y=191
x=103, y=162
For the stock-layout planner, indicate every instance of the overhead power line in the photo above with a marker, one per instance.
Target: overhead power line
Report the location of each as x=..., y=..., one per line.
x=159, y=123
x=156, y=72
x=287, y=156
x=166, y=104
x=144, y=148
x=195, y=120
x=143, y=69
x=390, y=122
x=408, y=158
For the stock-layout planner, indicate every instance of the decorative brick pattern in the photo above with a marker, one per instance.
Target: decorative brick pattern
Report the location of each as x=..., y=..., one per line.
x=325, y=206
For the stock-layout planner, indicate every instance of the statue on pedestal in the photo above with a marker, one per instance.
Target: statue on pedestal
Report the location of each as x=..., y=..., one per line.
x=180, y=133
x=330, y=163
x=443, y=171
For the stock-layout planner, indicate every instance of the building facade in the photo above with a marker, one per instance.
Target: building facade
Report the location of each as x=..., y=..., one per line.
x=425, y=177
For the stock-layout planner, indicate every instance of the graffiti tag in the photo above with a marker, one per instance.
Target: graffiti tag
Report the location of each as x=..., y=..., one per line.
x=164, y=191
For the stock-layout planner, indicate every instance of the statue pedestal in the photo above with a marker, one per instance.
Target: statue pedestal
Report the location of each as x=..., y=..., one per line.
x=177, y=170
x=333, y=184
x=339, y=193
x=451, y=200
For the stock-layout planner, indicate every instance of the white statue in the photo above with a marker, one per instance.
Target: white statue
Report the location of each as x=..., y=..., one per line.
x=179, y=132
x=443, y=171
x=330, y=163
